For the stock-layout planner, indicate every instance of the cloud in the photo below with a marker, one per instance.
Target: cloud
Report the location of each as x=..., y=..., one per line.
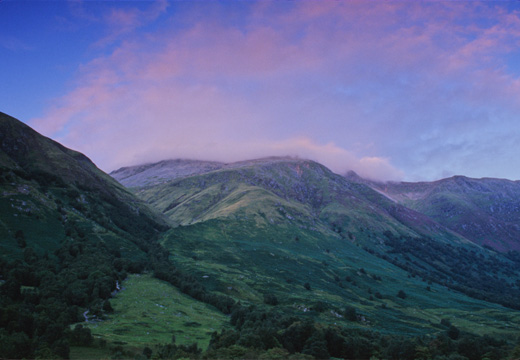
x=14, y=44
x=117, y=126
x=117, y=21
x=384, y=89
x=124, y=21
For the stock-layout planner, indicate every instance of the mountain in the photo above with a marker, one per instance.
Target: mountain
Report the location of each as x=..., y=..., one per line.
x=485, y=211
x=292, y=230
x=69, y=234
x=48, y=190
x=274, y=190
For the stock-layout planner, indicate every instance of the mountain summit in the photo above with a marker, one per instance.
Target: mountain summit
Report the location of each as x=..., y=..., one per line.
x=167, y=170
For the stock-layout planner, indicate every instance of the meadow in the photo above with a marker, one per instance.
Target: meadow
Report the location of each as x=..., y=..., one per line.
x=148, y=311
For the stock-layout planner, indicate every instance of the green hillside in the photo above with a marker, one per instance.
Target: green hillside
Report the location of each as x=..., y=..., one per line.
x=149, y=312
x=282, y=190
x=254, y=263
x=293, y=243
x=49, y=193
x=269, y=226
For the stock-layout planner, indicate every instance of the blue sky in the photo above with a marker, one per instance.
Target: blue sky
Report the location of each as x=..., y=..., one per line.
x=393, y=90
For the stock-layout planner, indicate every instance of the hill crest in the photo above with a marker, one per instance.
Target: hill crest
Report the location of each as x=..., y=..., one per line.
x=166, y=170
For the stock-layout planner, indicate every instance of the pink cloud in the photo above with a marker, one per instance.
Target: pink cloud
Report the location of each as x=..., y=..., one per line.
x=123, y=21
x=319, y=80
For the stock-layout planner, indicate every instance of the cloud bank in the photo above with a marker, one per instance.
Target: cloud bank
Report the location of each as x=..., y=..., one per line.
x=391, y=90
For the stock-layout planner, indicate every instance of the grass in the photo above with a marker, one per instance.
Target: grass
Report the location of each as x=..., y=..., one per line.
x=88, y=353
x=149, y=311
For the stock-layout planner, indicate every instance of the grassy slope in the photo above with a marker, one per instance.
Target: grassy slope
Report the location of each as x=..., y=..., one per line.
x=48, y=216
x=149, y=311
x=247, y=261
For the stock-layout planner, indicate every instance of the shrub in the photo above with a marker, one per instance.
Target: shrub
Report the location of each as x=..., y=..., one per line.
x=270, y=299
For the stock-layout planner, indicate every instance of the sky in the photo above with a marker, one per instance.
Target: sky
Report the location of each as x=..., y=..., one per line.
x=394, y=90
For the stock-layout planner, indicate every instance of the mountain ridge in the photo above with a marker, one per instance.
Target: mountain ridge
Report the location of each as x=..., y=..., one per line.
x=486, y=210
x=167, y=170
x=40, y=176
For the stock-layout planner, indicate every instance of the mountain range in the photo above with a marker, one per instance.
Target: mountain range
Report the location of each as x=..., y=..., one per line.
x=305, y=261
x=485, y=211
x=274, y=196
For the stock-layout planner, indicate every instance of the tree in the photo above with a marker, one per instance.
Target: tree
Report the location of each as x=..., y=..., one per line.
x=295, y=336
x=29, y=255
x=20, y=238
x=107, y=307
x=401, y=294
x=337, y=345
x=350, y=313
x=147, y=352
x=274, y=354
x=316, y=346
x=453, y=332
x=320, y=306
x=81, y=336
